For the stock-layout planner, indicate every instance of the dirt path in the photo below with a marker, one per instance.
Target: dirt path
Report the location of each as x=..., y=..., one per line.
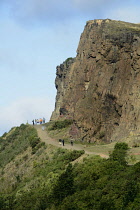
x=48, y=140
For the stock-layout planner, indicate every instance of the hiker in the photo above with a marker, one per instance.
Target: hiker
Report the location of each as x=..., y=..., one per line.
x=40, y=121
x=33, y=122
x=63, y=142
x=71, y=142
x=43, y=120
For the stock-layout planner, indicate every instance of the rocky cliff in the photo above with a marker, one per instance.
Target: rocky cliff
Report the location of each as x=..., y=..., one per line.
x=100, y=88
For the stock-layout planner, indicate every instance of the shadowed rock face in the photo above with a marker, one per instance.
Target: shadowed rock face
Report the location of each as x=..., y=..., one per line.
x=100, y=88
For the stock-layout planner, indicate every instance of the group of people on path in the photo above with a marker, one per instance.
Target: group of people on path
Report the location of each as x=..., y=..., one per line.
x=61, y=141
x=40, y=121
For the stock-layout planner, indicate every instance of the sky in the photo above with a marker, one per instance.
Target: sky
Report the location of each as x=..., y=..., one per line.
x=35, y=37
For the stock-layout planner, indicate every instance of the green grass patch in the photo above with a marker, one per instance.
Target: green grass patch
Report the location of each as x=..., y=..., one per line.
x=60, y=124
x=16, y=142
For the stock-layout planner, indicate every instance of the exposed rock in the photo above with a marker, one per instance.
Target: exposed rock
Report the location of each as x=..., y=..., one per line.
x=100, y=88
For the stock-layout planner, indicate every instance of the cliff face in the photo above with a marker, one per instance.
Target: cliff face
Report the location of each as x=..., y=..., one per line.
x=100, y=88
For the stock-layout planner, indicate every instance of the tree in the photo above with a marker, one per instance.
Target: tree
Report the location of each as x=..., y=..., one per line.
x=119, y=153
x=64, y=186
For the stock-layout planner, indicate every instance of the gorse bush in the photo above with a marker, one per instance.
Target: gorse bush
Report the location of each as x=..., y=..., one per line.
x=60, y=124
x=37, y=147
x=34, y=141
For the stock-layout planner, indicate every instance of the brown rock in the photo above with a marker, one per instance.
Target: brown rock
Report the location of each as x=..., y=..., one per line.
x=100, y=88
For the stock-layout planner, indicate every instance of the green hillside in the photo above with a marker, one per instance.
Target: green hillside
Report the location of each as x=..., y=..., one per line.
x=36, y=176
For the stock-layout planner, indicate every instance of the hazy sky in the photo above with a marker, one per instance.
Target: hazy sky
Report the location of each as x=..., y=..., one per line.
x=35, y=37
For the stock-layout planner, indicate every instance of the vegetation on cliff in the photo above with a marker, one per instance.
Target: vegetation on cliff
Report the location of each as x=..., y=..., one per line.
x=51, y=179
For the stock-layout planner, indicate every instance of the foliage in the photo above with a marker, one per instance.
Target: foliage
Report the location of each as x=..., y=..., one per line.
x=4, y=135
x=119, y=153
x=95, y=183
x=60, y=124
x=34, y=141
x=37, y=146
x=64, y=186
x=67, y=60
x=121, y=146
x=15, y=142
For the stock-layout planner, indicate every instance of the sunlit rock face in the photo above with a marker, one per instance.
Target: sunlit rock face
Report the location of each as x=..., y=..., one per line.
x=100, y=88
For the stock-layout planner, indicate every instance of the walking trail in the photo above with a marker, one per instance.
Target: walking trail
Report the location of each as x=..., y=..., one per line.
x=48, y=140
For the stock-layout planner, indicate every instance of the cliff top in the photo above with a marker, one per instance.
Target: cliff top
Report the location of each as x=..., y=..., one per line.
x=115, y=27
x=117, y=31
x=115, y=23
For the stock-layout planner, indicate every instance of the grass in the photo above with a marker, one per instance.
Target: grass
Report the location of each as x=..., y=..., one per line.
x=23, y=169
x=61, y=130
x=60, y=124
x=15, y=142
x=100, y=148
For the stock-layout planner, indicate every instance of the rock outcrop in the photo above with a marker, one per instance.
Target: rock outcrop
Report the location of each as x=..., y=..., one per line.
x=100, y=88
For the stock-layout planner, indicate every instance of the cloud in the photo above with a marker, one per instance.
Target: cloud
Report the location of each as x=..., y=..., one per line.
x=129, y=14
x=91, y=3
x=38, y=10
x=23, y=110
x=29, y=11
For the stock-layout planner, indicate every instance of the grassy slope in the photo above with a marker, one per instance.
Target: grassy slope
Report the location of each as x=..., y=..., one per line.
x=31, y=178
x=24, y=166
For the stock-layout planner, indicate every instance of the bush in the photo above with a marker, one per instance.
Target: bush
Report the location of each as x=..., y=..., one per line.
x=34, y=141
x=119, y=153
x=37, y=147
x=4, y=135
x=74, y=155
x=64, y=186
x=121, y=146
x=60, y=124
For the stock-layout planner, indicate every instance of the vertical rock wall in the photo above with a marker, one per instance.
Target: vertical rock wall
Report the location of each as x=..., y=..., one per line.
x=100, y=88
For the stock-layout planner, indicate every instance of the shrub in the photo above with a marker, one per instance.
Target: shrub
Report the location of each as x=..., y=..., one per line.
x=64, y=186
x=119, y=153
x=122, y=145
x=4, y=135
x=75, y=154
x=60, y=124
x=34, y=141
x=37, y=147
x=67, y=61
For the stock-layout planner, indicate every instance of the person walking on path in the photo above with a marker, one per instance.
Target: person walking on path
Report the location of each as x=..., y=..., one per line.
x=71, y=142
x=33, y=122
x=43, y=120
x=63, y=142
